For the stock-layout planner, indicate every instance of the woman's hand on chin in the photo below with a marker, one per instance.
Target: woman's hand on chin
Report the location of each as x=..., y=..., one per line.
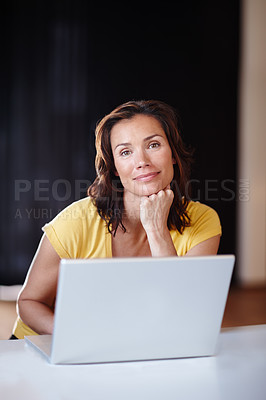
x=154, y=210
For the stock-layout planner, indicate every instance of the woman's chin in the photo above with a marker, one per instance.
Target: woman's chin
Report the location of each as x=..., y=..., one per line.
x=144, y=190
x=148, y=191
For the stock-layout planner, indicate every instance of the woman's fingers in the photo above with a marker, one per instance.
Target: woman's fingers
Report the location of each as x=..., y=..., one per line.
x=154, y=210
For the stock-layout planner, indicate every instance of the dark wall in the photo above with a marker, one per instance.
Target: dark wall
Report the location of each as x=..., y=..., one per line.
x=66, y=64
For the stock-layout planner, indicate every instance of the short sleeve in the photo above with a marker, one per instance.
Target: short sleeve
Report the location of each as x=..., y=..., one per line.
x=79, y=232
x=65, y=231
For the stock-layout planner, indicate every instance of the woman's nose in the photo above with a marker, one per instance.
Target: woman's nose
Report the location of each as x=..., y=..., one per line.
x=141, y=159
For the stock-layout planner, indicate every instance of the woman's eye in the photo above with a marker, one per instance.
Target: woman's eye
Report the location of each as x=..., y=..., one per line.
x=154, y=145
x=125, y=153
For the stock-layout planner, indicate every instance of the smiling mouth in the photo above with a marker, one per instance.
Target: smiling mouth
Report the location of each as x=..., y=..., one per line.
x=146, y=177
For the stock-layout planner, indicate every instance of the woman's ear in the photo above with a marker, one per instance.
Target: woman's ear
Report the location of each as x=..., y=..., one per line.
x=174, y=160
x=116, y=173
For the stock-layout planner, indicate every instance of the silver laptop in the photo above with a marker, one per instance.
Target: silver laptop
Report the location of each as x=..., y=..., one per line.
x=128, y=309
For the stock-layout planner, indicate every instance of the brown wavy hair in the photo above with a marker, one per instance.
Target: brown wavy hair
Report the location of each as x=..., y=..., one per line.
x=107, y=191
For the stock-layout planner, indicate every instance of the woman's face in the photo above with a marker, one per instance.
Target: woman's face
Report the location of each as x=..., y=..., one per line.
x=142, y=155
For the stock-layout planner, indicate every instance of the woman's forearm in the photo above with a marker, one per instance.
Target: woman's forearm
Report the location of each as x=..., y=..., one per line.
x=161, y=244
x=38, y=316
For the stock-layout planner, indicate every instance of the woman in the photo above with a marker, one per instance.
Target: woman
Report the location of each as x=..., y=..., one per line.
x=137, y=206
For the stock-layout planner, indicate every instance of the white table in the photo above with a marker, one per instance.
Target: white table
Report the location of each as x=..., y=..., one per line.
x=238, y=372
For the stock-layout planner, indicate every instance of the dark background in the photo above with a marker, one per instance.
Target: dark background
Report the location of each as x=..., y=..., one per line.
x=65, y=64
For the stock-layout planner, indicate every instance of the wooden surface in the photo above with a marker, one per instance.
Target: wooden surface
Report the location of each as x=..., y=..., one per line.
x=7, y=318
x=245, y=307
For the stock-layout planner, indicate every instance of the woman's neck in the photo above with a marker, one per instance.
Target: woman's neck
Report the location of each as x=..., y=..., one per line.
x=131, y=210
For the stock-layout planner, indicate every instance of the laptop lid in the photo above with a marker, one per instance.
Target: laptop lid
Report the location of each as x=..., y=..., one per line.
x=124, y=309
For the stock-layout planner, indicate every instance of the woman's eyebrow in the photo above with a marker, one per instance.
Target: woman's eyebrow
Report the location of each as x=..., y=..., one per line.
x=122, y=144
x=152, y=136
x=145, y=140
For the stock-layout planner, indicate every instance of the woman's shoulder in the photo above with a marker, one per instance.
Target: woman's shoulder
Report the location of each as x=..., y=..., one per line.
x=84, y=203
x=78, y=209
x=203, y=217
x=195, y=209
x=78, y=215
x=204, y=224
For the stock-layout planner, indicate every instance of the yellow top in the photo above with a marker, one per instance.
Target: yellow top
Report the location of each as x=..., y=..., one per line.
x=79, y=232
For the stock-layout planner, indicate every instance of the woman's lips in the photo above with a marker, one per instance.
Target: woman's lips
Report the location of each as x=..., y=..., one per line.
x=146, y=177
